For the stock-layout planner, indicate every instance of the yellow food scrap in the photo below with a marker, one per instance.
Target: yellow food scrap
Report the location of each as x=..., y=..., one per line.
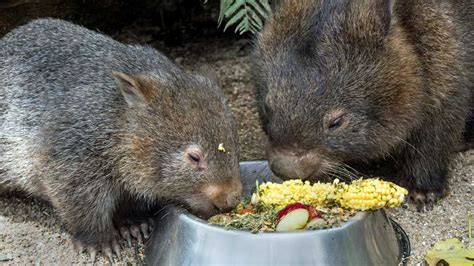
x=370, y=194
x=295, y=190
x=221, y=147
x=362, y=194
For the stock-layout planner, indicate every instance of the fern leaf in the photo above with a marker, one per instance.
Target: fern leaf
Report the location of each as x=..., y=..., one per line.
x=225, y=4
x=234, y=7
x=235, y=18
x=247, y=15
x=265, y=5
x=259, y=9
x=253, y=28
x=242, y=27
x=255, y=19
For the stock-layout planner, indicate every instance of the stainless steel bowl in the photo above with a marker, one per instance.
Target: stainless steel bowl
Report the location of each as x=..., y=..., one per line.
x=180, y=238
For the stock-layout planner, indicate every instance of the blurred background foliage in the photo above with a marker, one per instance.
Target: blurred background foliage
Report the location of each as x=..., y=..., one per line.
x=173, y=21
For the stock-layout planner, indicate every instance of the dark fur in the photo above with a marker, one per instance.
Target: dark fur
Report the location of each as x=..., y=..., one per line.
x=98, y=147
x=401, y=71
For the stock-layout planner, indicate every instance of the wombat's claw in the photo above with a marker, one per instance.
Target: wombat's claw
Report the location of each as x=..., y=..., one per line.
x=135, y=231
x=144, y=229
x=78, y=247
x=116, y=248
x=423, y=200
x=108, y=252
x=107, y=249
x=125, y=233
x=93, y=253
x=140, y=232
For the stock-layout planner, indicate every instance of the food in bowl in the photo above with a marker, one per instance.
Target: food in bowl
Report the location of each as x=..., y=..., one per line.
x=297, y=205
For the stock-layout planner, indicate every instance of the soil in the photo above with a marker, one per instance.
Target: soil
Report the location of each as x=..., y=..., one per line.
x=30, y=231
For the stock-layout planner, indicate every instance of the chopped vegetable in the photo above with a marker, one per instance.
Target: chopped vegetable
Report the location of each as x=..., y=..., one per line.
x=248, y=209
x=316, y=223
x=313, y=213
x=293, y=217
x=295, y=204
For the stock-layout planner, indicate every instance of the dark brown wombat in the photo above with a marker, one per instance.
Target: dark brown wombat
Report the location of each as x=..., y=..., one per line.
x=359, y=81
x=104, y=130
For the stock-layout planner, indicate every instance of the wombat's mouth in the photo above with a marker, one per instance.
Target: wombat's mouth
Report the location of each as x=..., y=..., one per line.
x=321, y=177
x=198, y=208
x=203, y=214
x=324, y=174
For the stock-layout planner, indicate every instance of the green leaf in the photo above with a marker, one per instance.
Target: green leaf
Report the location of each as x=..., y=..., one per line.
x=452, y=251
x=243, y=26
x=248, y=15
x=222, y=9
x=235, y=18
x=240, y=27
x=265, y=5
x=256, y=19
x=259, y=9
x=232, y=9
x=253, y=28
x=469, y=226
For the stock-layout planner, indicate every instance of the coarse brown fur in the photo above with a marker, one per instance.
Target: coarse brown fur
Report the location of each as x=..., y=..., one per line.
x=106, y=131
x=359, y=81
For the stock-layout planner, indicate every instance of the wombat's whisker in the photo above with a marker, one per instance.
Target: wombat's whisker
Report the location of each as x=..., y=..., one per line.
x=410, y=146
x=162, y=208
x=392, y=158
x=355, y=173
x=341, y=169
x=339, y=173
x=338, y=168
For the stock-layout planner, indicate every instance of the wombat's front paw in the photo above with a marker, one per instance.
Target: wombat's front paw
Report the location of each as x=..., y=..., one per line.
x=136, y=230
x=425, y=199
x=93, y=243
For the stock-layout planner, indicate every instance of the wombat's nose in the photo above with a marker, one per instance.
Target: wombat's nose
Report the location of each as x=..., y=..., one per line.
x=290, y=166
x=233, y=198
x=225, y=196
x=226, y=201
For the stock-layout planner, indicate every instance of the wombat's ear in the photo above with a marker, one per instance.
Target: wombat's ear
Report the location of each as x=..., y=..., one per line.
x=135, y=89
x=208, y=72
x=369, y=17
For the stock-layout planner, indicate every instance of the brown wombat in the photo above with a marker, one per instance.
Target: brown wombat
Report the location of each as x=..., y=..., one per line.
x=359, y=81
x=104, y=130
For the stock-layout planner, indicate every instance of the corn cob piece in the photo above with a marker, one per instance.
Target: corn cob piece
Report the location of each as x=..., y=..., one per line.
x=370, y=194
x=362, y=194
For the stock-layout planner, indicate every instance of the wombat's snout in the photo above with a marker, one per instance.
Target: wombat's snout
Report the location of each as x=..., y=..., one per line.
x=224, y=196
x=288, y=165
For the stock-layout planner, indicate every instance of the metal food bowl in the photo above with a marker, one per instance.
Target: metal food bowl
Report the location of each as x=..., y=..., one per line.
x=368, y=238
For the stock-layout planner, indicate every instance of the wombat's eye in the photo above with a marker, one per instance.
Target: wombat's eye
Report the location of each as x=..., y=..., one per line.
x=194, y=158
x=334, y=119
x=336, y=123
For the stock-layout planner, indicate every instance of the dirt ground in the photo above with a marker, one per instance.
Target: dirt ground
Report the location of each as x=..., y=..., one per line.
x=30, y=232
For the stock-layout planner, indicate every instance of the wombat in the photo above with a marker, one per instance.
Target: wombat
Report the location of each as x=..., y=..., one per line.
x=353, y=82
x=103, y=130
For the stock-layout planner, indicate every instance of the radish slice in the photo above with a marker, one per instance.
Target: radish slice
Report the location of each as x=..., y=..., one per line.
x=293, y=217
